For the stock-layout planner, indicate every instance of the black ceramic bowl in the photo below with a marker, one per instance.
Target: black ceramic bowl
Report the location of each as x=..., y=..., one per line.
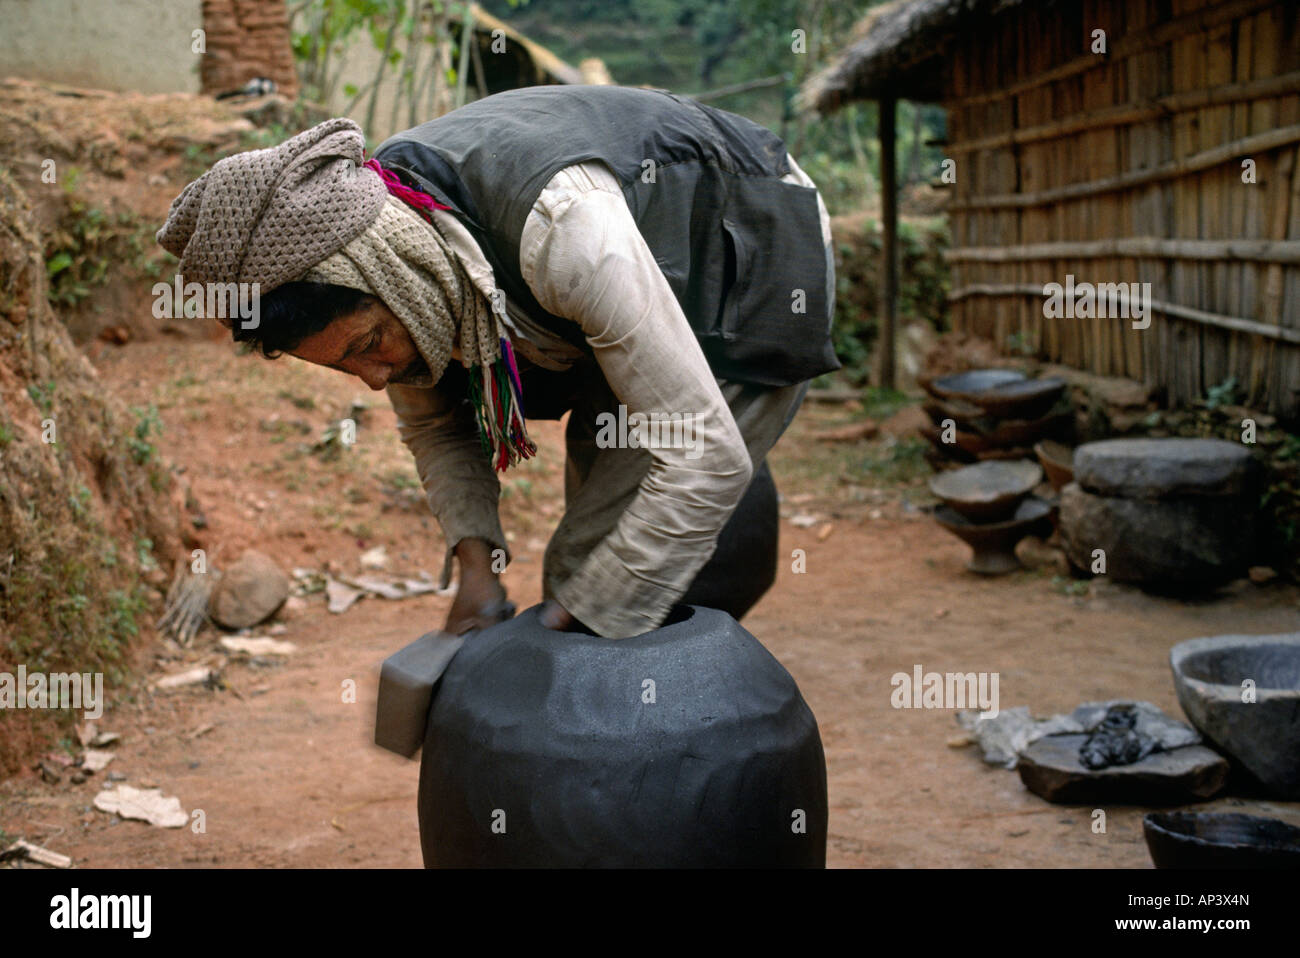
x=1220, y=840
x=1020, y=399
x=972, y=383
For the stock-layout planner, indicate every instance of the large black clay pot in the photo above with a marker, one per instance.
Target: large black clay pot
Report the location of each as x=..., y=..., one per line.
x=688, y=746
x=743, y=567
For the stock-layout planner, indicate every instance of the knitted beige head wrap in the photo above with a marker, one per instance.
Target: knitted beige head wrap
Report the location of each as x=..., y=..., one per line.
x=266, y=216
x=311, y=209
x=407, y=263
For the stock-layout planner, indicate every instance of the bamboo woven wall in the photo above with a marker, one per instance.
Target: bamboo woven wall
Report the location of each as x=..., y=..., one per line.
x=1126, y=167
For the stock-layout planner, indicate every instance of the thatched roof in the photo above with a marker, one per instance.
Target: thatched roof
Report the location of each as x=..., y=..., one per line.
x=550, y=68
x=897, y=49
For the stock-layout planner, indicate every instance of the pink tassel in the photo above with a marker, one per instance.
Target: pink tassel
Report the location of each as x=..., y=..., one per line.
x=403, y=192
x=502, y=430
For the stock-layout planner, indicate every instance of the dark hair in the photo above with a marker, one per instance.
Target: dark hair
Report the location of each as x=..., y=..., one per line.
x=294, y=311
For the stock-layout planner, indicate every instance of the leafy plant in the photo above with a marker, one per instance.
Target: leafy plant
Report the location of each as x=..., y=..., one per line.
x=1224, y=394
x=147, y=424
x=87, y=241
x=43, y=395
x=1067, y=586
x=922, y=293
x=880, y=403
x=899, y=460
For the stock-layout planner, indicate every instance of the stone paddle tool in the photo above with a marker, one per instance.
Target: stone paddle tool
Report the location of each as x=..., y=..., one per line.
x=408, y=678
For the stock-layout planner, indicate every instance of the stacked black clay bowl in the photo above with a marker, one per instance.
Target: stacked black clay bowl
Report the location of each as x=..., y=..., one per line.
x=688, y=746
x=989, y=507
x=984, y=414
x=1170, y=514
x=1057, y=460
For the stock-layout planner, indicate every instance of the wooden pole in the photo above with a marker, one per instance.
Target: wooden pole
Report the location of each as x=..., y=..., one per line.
x=462, y=68
x=889, y=238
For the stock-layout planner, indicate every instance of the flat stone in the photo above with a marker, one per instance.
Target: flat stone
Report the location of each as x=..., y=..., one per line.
x=249, y=591
x=1114, y=392
x=1172, y=543
x=1004, y=736
x=1050, y=768
x=1161, y=468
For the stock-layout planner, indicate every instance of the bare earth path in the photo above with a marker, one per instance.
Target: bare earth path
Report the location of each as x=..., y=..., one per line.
x=286, y=775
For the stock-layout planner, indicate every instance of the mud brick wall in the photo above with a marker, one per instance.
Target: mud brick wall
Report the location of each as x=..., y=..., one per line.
x=247, y=39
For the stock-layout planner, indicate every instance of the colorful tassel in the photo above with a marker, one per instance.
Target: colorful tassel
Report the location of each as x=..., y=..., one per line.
x=412, y=197
x=499, y=399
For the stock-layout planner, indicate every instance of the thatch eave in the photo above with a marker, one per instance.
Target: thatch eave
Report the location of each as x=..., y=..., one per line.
x=543, y=59
x=898, y=51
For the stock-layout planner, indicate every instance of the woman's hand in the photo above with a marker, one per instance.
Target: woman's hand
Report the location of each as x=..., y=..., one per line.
x=480, y=599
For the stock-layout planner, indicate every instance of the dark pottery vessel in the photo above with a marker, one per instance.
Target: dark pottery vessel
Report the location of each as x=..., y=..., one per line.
x=994, y=544
x=743, y=566
x=1024, y=399
x=1220, y=840
x=988, y=491
x=688, y=746
x=963, y=414
x=1021, y=432
x=966, y=386
x=1057, y=460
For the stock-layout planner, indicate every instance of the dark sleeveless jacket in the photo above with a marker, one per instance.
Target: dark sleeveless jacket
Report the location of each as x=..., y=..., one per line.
x=703, y=185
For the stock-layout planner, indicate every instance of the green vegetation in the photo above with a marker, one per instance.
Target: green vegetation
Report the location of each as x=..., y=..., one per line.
x=899, y=461
x=922, y=294
x=147, y=424
x=881, y=403
x=1224, y=394
x=301, y=402
x=694, y=46
x=688, y=46
x=88, y=240
x=1068, y=586
x=42, y=394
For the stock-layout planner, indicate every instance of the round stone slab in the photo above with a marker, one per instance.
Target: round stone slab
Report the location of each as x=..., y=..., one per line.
x=1163, y=468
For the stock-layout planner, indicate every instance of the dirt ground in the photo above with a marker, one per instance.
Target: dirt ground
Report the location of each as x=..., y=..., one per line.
x=285, y=773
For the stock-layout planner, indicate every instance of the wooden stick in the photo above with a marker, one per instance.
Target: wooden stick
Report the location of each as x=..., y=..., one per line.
x=1128, y=114
x=734, y=88
x=1127, y=46
x=1140, y=247
x=37, y=854
x=1127, y=181
x=1169, y=309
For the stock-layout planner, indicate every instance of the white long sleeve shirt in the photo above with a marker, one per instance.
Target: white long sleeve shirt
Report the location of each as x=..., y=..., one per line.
x=584, y=259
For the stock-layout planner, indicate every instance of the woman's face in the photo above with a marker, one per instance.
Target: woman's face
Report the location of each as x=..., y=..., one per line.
x=370, y=343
